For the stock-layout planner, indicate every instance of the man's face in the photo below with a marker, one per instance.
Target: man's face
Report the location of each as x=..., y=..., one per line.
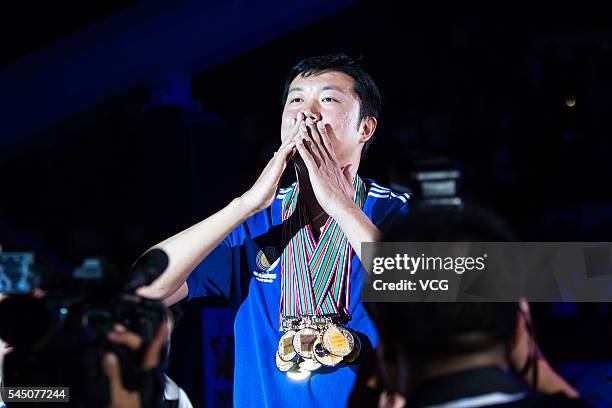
x=328, y=97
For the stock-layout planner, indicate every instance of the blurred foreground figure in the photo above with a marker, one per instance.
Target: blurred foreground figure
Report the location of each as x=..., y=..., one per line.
x=458, y=354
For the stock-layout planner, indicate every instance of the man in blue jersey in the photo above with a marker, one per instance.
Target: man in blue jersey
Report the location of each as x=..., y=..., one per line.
x=288, y=259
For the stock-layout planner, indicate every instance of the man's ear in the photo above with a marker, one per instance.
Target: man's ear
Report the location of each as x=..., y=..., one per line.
x=519, y=331
x=519, y=347
x=367, y=128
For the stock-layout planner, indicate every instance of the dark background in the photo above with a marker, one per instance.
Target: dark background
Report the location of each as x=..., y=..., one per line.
x=521, y=98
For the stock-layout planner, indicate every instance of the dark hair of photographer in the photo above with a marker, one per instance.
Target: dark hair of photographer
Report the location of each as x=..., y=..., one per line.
x=439, y=353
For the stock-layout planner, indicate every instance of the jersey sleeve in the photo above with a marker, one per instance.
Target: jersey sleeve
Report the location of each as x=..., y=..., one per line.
x=212, y=275
x=222, y=272
x=397, y=210
x=219, y=273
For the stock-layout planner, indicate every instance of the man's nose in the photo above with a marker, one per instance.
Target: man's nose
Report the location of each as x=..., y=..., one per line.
x=311, y=110
x=313, y=114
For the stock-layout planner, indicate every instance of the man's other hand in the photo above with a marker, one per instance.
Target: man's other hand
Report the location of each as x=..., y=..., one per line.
x=121, y=397
x=261, y=195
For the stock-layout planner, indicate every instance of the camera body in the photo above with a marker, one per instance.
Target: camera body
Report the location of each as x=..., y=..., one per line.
x=433, y=181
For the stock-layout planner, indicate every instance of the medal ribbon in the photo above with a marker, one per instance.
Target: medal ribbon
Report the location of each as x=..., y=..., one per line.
x=315, y=275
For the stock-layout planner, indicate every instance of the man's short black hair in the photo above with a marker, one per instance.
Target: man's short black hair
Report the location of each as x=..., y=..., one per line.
x=365, y=88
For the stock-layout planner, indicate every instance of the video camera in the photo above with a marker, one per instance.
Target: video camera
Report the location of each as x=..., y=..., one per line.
x=59, y=338
x=433, y=181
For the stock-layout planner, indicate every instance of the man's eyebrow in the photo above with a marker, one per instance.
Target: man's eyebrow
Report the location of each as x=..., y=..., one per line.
x=325, y=88
x=332, y=88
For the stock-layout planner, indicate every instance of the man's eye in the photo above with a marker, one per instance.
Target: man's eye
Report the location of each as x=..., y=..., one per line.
x=296, y=100
x=329, y=99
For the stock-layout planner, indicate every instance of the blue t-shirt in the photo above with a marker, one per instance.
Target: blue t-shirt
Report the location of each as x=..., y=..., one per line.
x=238, y=271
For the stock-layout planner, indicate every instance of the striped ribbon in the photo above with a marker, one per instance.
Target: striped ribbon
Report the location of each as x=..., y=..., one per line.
x=315, y=274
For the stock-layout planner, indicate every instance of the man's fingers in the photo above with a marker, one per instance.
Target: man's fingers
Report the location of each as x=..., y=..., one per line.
x=309, y=144
x=284, y=152
x=296, y=121
x=315, y=139
x=306, y=156
x=295, y=131
x=152, y=354
x=325, y=140
x=287, y=148
x=280, y=155
x=292, y=129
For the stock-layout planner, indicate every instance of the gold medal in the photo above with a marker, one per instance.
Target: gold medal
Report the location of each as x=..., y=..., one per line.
x=303, y=342
x=284, y=366
x=286, y=352
x=338, y=341
x=323, y=357
x=356, y=350
x=309, y=365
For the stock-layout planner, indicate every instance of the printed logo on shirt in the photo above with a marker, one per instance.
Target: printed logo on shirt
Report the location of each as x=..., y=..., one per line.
x=266, y=260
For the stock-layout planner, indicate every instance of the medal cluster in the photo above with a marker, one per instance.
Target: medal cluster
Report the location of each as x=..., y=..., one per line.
x=307, y=346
